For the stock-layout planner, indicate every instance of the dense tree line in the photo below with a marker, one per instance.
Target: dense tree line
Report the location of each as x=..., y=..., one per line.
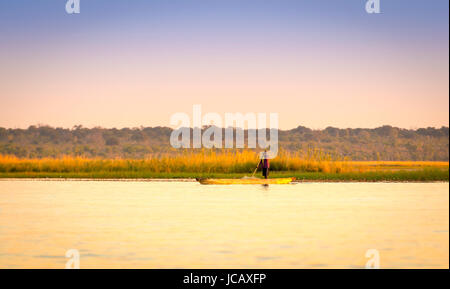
x=382, y=143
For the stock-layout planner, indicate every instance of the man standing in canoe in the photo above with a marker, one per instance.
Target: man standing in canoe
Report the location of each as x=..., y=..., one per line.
x=264, y=164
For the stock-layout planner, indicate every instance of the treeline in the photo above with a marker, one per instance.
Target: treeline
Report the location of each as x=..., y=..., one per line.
x=383, y=143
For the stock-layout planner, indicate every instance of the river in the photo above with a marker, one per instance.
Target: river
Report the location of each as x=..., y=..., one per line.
x=115, y=224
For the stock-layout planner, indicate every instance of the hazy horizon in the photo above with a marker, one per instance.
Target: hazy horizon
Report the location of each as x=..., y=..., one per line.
x=315, y=63
x=168, y=126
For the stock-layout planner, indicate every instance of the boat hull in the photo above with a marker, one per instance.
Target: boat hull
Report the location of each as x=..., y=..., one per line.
x=279, y=181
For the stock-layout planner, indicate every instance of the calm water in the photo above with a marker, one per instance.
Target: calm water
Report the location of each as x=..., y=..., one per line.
x=186, y=225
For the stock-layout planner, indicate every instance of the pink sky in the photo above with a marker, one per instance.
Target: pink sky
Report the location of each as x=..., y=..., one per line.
x=123, y=73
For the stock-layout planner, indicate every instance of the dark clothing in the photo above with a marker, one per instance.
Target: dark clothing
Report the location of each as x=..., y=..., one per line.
x=265, y=172
x=265, y=165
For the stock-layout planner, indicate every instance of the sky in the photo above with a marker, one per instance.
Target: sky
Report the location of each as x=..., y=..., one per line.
x=135, y=63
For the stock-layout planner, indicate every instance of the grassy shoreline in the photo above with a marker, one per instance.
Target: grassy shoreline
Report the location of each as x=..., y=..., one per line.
x=422, y=175
x=311, y=167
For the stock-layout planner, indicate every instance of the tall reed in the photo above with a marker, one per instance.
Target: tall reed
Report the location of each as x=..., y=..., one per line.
x=202, y=161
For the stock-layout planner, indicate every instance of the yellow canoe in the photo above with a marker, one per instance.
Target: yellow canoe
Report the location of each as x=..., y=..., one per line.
x=249, y=181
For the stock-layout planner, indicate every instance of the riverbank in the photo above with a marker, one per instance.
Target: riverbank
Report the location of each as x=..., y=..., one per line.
x=420, y=175
x=312, y=167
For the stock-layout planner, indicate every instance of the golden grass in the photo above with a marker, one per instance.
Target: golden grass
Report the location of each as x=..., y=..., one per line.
x=206, y=161
x=397, y=165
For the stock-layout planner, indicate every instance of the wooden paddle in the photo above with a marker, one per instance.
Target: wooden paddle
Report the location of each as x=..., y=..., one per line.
x=257, y=166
